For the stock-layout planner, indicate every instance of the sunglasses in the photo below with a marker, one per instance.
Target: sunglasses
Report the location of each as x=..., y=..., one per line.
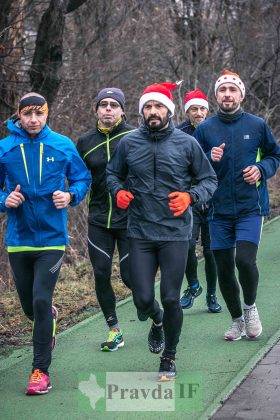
x=105, y=104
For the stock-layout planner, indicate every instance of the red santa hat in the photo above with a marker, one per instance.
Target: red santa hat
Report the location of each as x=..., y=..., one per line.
x=228, y=76
x=160, y=92
x=195, y=97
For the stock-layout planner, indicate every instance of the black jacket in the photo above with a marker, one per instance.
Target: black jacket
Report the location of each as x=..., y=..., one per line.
x=187, y=127
x=154, y=164
x=96, y=149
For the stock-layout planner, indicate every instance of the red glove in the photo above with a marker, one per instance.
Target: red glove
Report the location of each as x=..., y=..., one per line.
x=179, y=202
x=124, y=198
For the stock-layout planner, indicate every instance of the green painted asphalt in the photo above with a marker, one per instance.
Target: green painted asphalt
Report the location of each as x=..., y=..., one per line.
x=205, y=362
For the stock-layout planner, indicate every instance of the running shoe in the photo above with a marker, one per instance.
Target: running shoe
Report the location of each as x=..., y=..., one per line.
x=189, y=296
x=236, y=331
x=54, y=315
x=114, y=340
x=156, y=339
x=39, y=383
x=212, y=304
x=167, y=369
x=253, y=326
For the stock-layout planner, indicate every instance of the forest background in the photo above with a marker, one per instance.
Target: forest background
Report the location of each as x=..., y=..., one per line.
x=69, y=49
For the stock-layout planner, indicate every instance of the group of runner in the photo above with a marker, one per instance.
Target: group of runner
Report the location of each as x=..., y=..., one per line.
x=153, y=190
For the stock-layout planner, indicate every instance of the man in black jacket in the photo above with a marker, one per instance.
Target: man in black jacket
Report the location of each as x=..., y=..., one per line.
x=196, y=109
x=107, y=223
x=151, y=174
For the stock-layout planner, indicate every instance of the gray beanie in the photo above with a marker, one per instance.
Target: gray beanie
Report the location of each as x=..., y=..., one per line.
x=113, y=93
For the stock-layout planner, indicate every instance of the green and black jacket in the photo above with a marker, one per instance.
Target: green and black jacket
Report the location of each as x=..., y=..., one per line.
x=96, y=149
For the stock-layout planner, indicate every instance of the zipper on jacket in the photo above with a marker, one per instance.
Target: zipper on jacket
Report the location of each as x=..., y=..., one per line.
x=110, y=198
x=41, y=162
x=24, y=161
x=155, y=162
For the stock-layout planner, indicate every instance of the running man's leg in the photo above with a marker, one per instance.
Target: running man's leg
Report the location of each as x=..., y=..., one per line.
x=23, y=273
x=210, y=265
x=194, y=289
x=122, y=244
x=210, y=268
x=47, y=266
x=248, y=233
x=222, y=233
x=143, y=265
x=172, y=262
x=101, y=245
x=192, y=262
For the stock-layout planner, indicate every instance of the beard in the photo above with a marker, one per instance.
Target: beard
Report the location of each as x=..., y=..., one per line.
x=156, y=123
x=230, y=107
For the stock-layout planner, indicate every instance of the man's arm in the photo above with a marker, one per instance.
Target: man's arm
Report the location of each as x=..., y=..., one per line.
x=3, y=194
x=205, y=179
x=78, y=177
x=117, y=169
x=270, y=154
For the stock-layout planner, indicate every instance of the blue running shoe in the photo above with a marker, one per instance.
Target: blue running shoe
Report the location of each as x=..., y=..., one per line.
x=189, y=296
x=212, y=304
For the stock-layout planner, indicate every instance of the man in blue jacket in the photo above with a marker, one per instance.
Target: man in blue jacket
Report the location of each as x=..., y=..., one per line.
x=36, y=162
x=151, y=174
x=244, y=155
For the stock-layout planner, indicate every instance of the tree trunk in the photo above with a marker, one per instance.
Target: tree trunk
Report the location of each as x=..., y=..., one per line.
x=47, y=59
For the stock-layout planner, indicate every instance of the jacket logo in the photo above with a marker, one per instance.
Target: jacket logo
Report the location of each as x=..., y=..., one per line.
x=246, y=137
x=50, y=159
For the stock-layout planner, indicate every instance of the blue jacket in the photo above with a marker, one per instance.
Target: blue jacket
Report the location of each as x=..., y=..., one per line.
x=154, y=164
x=248, y=141
x=40, y=166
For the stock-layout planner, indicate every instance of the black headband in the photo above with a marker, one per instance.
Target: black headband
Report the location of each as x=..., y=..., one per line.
x=30, y=101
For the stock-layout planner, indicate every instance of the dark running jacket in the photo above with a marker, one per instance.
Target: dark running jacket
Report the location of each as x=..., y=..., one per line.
x=96, y=149
x=154, y=164
x=187, y=127
x=248, y=141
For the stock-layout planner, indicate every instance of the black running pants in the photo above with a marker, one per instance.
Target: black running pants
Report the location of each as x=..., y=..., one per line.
x=35, y=274
x=201, y=226
x=101, y=246
x=145, y=257
x=244, y=258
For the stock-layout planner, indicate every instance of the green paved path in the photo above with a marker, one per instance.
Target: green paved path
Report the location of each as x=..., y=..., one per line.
x=203, y=356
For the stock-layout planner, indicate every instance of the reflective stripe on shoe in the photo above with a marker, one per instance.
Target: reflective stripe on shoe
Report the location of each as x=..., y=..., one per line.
x=189, y=296
x=167, y=370
x=114, y=341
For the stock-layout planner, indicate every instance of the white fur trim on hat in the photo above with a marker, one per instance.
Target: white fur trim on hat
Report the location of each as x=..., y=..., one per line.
x=230, y=78
x=198, y=102
x=159, y=97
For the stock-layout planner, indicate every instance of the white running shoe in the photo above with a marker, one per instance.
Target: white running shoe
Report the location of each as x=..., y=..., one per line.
x=253, y=326
x=236, y=331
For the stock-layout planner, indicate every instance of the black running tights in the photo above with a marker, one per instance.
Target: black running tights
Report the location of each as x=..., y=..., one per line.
x=248, y=275
x=144, y=259
x=35, y=274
